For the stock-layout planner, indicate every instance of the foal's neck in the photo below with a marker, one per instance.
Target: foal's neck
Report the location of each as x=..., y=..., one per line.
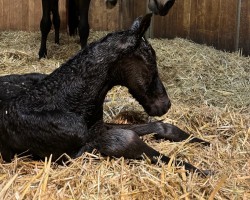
x=82, y=83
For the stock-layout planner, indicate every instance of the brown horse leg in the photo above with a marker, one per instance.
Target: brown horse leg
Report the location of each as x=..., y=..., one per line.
x=45, y=26
x=83, y=26
x=56, y=20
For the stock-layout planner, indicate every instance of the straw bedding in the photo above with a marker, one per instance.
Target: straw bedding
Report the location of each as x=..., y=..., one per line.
x=210, y=93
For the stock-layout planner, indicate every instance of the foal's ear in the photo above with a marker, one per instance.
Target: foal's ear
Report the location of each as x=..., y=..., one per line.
x=141, y=24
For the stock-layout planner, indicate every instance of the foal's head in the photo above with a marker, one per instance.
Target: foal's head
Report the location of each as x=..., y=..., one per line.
x=137, y=70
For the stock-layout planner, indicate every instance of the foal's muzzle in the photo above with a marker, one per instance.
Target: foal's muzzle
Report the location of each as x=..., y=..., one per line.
x=159, y=107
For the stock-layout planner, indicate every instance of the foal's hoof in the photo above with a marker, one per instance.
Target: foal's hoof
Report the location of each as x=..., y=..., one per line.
x=205, y=173
x=198, y=140
x=205, y=143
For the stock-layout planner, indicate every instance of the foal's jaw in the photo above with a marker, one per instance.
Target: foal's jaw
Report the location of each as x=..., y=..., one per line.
x=156, y=104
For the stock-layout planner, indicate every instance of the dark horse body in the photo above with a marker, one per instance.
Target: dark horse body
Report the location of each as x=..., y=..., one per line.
x=78, y=18
x=63, y=112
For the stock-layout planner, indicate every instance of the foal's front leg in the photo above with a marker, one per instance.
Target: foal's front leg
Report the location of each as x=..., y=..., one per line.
x=126, y=143
x=163, y=131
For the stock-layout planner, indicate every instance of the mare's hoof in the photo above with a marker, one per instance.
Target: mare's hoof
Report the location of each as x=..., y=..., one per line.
x=42, y=54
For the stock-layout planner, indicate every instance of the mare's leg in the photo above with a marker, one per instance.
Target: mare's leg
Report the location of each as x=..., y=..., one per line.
x=45, y=26
x=83, y=26
x=73, y=20
x=56, y=20
x=126, y=143
x=162, y=130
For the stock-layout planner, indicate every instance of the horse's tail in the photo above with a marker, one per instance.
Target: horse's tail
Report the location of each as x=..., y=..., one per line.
x=73, y=19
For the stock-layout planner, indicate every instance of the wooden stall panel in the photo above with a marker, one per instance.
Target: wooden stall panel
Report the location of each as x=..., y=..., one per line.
x=228, y=25
x=25, y=14
x=35, y=15
x=176, y=23
x=17, y=14
x=4, y=9
x=120, y=17
x=244, y=34
x=204, y=24
x=131, y=9
x=63, y=14
x=14, y=18
x=225, y=24
x=213, y=22
x=101, y=18
x=1, y=13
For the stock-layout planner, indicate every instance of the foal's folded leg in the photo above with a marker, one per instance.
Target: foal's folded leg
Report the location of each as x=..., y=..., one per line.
x=126, y=143
x=162, y=130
